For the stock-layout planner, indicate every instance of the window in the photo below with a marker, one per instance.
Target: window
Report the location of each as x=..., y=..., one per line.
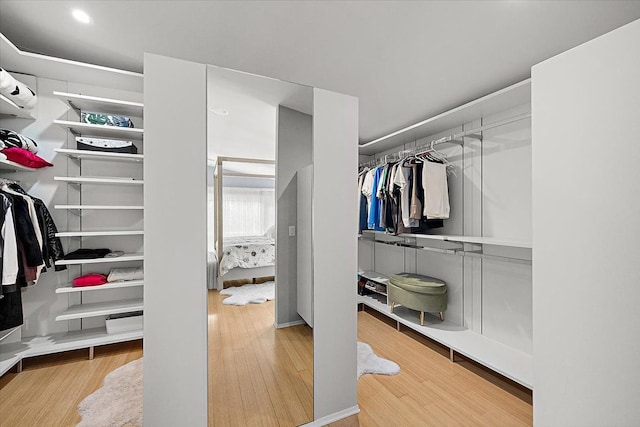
x=248, y=211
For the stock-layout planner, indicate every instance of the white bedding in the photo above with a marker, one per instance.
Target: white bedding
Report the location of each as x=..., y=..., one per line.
x=247, y=252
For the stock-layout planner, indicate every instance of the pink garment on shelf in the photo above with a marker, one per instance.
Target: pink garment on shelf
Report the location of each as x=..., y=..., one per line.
x=91, y=279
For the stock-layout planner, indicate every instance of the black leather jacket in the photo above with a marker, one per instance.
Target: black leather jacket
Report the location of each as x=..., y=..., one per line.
x=51, y=245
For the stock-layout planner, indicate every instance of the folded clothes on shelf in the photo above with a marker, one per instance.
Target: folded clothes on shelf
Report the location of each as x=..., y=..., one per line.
x=91, y=279
x=87, y=253
x=9, y=138
x=127, y=273
x=106, y=145
x=25, y=158
x=105, y=119
x=114, y=254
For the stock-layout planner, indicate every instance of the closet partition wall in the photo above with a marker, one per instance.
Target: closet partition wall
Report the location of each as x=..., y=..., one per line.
x=311, y=125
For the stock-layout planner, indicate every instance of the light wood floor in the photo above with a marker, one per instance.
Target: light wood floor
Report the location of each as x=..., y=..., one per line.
x=50, y=388
x=259, y=375
x=262, y=377
x=430, y=390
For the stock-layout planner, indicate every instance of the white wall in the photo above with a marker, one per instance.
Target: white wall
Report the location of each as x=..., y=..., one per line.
x=335, y=227
x=175, y=362
x=293, y=152
x=586, y=211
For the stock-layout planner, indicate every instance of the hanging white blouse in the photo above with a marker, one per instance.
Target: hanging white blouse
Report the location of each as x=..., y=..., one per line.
x=436, y=191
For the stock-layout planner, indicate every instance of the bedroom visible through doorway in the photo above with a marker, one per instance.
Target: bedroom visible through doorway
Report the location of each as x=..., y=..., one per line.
x=260, y=347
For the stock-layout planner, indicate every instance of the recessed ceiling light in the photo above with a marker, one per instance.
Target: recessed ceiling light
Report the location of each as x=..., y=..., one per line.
x=219, y=111
x=81, y=16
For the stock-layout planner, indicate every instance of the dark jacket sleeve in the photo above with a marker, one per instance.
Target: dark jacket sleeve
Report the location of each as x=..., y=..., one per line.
x=25, y=231
x=54, y=246
x=51, y=245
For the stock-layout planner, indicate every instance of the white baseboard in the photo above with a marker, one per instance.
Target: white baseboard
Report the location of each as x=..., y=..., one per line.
x=331, y=418
x=287, y=324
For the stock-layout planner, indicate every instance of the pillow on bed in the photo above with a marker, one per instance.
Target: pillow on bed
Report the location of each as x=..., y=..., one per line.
x=271, y=232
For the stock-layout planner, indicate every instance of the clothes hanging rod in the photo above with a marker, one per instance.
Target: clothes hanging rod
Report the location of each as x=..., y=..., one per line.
x=475, y=133
x=475, y=102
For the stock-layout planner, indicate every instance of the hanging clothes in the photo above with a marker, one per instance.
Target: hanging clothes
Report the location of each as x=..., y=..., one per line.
x=436, y=191
x=27, y=246
x=373, y=221
x=410, y=196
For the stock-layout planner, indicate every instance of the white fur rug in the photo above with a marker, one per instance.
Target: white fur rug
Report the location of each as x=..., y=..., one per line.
x=118, y=402
x=254, y=294
x=370, y=363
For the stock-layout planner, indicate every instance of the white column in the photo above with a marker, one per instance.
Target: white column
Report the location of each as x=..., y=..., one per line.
x=175, y=291
x=586, y=221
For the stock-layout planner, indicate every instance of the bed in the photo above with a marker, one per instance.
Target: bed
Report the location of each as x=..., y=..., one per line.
x=247, y=257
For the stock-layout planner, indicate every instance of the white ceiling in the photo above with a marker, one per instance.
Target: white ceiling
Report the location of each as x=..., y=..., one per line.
x=405, y=60
x=249, y=128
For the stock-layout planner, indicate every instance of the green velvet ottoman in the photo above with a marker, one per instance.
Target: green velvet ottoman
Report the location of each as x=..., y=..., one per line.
x=417, y=292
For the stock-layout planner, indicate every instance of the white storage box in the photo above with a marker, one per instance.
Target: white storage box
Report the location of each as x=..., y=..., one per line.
x=125, y=322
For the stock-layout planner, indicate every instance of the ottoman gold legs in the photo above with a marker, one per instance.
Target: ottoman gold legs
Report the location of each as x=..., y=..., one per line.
x=393, y=306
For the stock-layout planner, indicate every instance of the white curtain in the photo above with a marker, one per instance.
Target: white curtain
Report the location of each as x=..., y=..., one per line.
x=248, y=211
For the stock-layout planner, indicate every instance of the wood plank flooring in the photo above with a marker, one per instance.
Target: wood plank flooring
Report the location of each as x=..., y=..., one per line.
x=430, y=390
x=263, y=377
x=259, y=375
x=50, y=388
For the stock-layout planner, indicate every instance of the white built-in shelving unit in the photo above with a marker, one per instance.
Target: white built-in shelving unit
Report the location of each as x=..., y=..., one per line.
x=84, y=304
x=9, y=108
x=82, y=102
x=79, y=180
x=101, y=131
x=99, y=155
x=100, y=207
x=82, y=311
x=68, y=289
x=513, y=364
x=122, y=258
x=484, y=274
x=13, y=353
x=9, y=166
x=100, y=233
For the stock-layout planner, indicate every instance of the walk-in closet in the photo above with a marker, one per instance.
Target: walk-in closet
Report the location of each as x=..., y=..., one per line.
x=434, y=226
x=95, y=199
x=479, y=246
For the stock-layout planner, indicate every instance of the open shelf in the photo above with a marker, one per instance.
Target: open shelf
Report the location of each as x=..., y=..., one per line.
x=100, y=233
x=8, y=165
x=123, y=258
x=91, y=180
x=513, y=364
x=374, y=276
x=94, y=309
x=458, y=239
x=104, y=131
x=113, y=285
x=13, y=353
x=101, y=105
x=9, y=108
x=78, y=208
x=100, y=155
x=4, y=334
